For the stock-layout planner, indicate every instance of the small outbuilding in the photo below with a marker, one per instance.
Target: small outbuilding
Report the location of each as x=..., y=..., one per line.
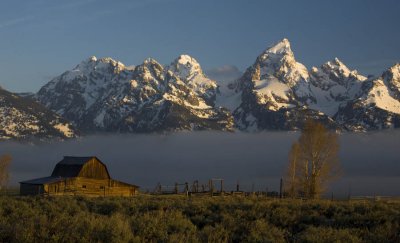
x=78, y=176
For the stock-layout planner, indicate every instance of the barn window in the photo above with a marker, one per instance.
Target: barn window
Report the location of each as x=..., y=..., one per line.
x=83, y=186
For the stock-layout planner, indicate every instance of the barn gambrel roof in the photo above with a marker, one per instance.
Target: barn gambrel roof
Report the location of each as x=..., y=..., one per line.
x=43, y=180
x=71, y=166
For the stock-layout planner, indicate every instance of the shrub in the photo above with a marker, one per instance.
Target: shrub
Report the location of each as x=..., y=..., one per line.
x=327, y=235
x=200, y=219
x=261, y=231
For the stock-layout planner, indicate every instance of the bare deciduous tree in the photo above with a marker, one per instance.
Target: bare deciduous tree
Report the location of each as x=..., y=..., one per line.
x=313, y=161
x=5, y=161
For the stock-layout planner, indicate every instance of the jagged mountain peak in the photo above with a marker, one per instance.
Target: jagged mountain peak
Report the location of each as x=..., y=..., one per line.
x=334, y=72
x=105, y=64
x=281, y=47
x=393, y=72
x=278, y=62
x=395, y=68
x=151, y=64
x=150, y=68
x=90, y=59
x=336, y=63
x=95, y=60
x=336, y=66
x=150, y=61
x=189, y=71
x=186, y=60
x=391, y=78
x=279, y=52
x=186, y=67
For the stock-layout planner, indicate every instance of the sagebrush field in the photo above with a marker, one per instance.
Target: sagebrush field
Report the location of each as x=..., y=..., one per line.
x=197, y=219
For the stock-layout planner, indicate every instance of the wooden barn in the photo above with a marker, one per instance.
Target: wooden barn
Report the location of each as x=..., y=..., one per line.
x=78, y=176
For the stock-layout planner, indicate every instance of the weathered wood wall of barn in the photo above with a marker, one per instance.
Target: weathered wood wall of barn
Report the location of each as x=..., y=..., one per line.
x=90, y=187
x=94, y=169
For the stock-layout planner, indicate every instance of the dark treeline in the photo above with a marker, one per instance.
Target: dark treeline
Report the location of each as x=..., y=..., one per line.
x=203, y=219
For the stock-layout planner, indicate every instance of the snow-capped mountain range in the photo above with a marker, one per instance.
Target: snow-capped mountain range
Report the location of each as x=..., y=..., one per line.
x=103, y=95
x=22, y=118
x=275, y=93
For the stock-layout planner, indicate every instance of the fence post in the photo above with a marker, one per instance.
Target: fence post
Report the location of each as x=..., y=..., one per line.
x=210, y=184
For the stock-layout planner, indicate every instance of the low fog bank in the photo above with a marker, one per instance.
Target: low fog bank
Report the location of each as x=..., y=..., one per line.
x=371, y=162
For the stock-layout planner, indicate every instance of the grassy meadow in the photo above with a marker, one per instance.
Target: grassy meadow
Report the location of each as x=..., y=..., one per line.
x=198, y=219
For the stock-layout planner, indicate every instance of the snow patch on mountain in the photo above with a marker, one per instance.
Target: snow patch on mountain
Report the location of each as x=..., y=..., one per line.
x=385, y=91
x=65, y=129
x=380, y=97
x=228, y=98
x=271, y=91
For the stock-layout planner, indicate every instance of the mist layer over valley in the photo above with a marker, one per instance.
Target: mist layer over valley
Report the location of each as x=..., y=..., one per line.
x=370, y=161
